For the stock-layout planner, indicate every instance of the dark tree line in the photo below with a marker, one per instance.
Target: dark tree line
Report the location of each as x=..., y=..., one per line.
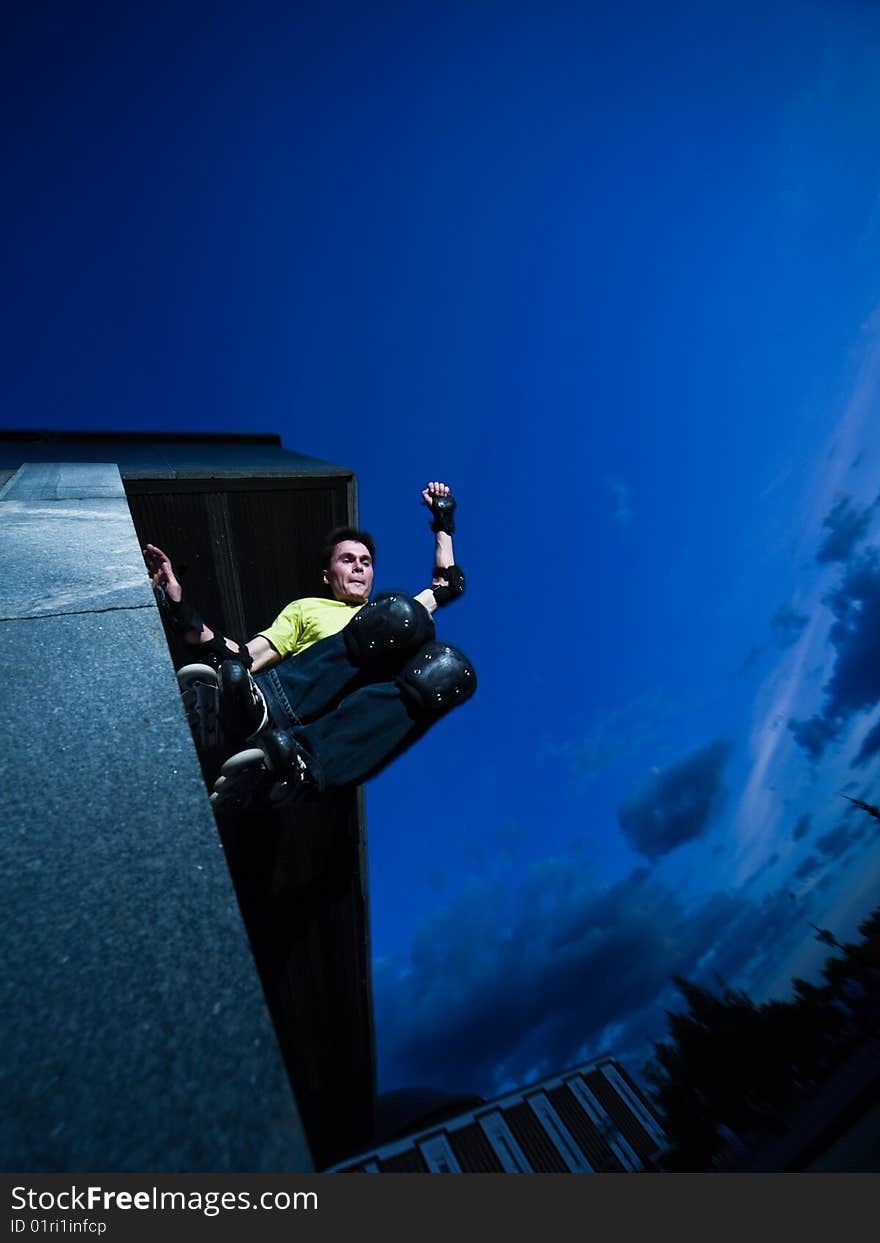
x=731, y=1071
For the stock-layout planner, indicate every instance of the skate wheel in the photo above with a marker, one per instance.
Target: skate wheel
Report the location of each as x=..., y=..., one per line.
x=243, y=781
x=253, y=758
x=200, y=693
x=196, y=673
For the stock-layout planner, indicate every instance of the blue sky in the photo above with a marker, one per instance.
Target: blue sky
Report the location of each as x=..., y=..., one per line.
x=610, y=271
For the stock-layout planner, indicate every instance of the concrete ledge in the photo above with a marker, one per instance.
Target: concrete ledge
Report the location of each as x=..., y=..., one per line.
x=69, y=545
x=135, y=1032
x=63, y=481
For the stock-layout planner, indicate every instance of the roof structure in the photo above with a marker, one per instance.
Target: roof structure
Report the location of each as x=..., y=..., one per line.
x=190, y=455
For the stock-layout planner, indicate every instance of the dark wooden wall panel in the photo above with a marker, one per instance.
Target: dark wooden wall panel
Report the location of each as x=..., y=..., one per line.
x=277, y=543
x=243, y=550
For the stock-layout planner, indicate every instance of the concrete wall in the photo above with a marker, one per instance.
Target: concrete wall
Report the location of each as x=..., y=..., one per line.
x=135, y=1034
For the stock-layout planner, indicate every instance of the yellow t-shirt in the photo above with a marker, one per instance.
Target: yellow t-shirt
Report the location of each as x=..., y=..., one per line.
x=306, y=621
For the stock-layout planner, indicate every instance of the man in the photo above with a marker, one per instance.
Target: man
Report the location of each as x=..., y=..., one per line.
x=335, y=688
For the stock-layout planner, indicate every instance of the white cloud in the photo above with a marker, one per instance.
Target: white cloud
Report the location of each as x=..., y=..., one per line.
x=776, y=761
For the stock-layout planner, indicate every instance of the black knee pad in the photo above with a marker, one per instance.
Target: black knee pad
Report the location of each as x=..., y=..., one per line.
x=436, y=679
x=387, y=630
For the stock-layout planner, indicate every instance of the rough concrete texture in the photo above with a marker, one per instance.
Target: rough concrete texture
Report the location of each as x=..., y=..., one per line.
x=135, y=1032
x=68, y=544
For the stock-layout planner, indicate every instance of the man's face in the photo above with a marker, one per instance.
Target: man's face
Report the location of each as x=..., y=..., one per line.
x=350, y=572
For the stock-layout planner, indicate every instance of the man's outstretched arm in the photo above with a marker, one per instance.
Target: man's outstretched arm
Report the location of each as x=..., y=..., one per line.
x=186, y=620
x=447, y=580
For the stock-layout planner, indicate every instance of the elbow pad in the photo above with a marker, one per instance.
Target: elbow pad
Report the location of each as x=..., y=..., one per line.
x=454, y=576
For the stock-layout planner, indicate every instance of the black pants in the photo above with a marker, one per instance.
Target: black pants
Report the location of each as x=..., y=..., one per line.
x=351, y=723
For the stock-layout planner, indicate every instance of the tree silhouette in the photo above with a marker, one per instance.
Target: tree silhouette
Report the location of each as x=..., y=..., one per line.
x=825, y=935
x=868, y=807
x=729, y=1063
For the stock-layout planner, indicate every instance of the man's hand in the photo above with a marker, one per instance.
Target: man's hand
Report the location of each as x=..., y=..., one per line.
x=161, y=573
x=431, y=490
x=182, y=618
x=441, y=503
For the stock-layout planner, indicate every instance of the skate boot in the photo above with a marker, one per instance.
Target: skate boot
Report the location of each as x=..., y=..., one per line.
x=276, y=772
x=242, y=707
x=291, y=768
x=200, y=691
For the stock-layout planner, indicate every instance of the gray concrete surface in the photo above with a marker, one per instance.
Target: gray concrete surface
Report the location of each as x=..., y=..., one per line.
x=135, y=1033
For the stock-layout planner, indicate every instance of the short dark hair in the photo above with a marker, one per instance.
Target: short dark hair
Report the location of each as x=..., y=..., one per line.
x=338, y=535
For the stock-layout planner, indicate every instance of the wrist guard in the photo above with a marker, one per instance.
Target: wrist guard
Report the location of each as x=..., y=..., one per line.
x=454, y=576
x=179, y=615
x=443, y=508
x=182, y=617
x=215, y=652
